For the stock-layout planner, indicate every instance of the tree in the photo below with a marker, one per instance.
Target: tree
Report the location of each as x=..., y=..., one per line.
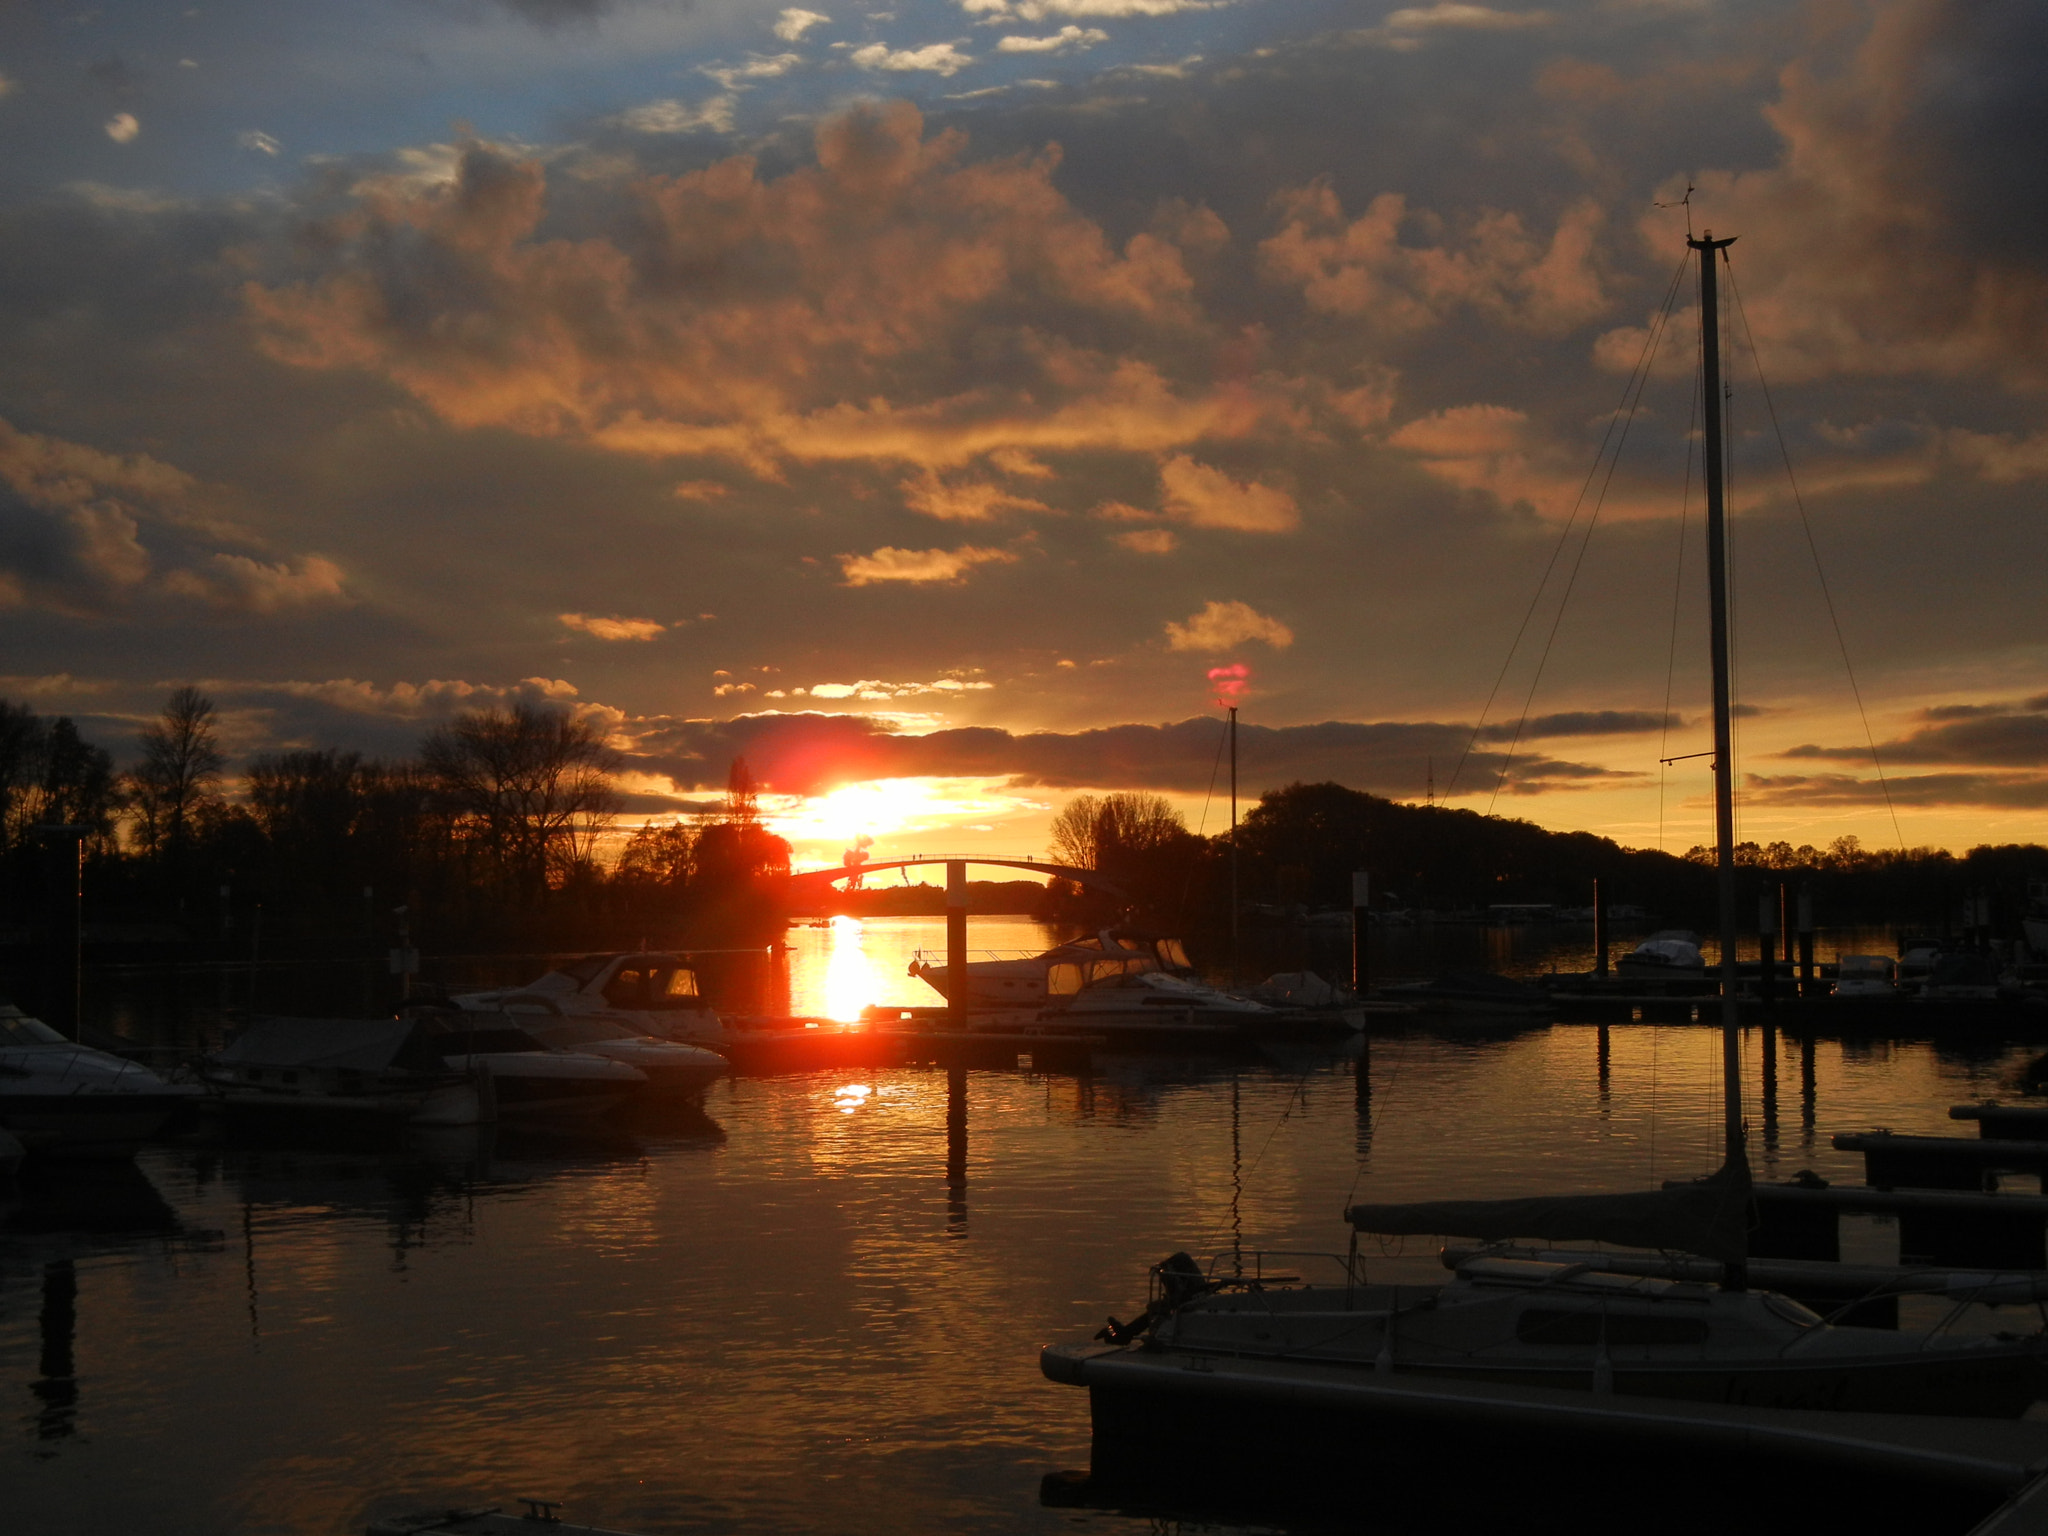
x=181, y=763
x=530, y=788
x=50, y=775
x=1096, y=832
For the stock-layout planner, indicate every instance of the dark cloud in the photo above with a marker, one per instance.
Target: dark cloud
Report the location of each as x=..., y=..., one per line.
x=1927, y=791
x=806, y=753
x=1583, y=722
x=1989, y=735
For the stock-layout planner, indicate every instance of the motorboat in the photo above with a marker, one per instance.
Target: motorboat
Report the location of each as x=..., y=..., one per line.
x=1043, y=979
x=1961, y=976
x=338, y=1071
x=1672, y=953
x=1866, y=976
x=524, y=1079
x=653, y=994
x=59, y=1098
x=669, y=1065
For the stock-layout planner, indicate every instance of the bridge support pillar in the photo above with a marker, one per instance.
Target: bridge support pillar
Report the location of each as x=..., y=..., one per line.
x=956, y=944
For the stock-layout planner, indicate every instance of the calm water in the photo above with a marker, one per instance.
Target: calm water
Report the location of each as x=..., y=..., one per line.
x=813, y=1307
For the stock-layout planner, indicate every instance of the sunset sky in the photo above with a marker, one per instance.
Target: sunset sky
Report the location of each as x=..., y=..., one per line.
x=924, y=400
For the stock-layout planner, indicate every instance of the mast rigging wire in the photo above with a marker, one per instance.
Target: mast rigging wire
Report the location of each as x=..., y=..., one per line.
x=1813, y=549
x=1632, y=386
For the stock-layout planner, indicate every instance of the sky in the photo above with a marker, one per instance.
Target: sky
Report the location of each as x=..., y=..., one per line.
x=946, y=405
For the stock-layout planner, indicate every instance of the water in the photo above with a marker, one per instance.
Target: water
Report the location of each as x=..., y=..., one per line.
x=816, y=1305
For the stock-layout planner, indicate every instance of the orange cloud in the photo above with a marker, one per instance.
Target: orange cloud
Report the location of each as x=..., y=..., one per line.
x=918, y=565
x=1224, y=626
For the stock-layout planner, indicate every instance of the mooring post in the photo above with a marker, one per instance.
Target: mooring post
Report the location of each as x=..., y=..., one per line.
x=1766, y=947
x=1805, y=941
x=65, y=969
x=1361, y=894
x=1599, y=932
x=956, y=944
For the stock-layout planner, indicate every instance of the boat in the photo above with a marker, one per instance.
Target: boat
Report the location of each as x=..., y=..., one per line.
x=670, y=1066
x=1866, y=976
x=655, y=993
x=59, y=1098
x=1042, y=979
x=338, y=1071
x=525, y=1080
x=1516, y=1345
x=1672, y=954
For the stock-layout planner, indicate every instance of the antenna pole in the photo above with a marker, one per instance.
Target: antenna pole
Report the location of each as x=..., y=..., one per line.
x=1724, y=754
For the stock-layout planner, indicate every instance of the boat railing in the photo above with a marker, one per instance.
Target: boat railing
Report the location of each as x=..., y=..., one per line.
x=1249, y=1268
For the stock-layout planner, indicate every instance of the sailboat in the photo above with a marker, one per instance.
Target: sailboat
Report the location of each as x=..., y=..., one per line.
x=1543, y=1347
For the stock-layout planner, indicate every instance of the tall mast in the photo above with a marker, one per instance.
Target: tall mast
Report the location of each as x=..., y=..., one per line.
x=1735, y=1157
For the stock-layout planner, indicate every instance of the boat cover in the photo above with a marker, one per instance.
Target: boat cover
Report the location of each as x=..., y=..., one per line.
x=364, y=1045
x=1709, y=1218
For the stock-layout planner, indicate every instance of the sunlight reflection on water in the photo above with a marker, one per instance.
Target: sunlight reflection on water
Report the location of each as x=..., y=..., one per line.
x=838, y=968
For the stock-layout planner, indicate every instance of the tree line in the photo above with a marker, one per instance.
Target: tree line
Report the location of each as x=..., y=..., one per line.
x=487, y=837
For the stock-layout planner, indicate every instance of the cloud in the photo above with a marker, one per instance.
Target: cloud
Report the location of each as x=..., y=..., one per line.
x=613, y=628
x=122, y=127
x=259, y=141
x=1362, y=270
x=876, y=689
x=793, y=23
x=918, y=565
x=808, y=753
x=236, y=584
x=934, y=58
x=1223, y=626
x=734, y=76
x=1582, y=722
x=1068, y=39
x=839, y=312
x=970, y=501
x=1039, y=10
x=2009, y=791
x=1148, y=541
x=672, y=116
x=2002, y=735
x=1208, y=498
x=1404, y=29
x=83, y=532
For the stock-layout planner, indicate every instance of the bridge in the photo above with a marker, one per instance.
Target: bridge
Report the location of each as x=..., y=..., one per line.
x=808, y=880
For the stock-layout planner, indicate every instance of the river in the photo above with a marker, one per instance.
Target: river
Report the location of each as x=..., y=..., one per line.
x=815, y=1305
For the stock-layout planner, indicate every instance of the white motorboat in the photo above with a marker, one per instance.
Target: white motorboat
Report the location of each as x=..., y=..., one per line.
x=1026, y=981
x=1866, y=976
x=1672, y=953
x=526, y=1079
x=668, y=1065
x=60, y=1098
x=651, y=994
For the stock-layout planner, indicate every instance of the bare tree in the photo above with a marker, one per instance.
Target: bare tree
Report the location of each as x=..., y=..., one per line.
x=180, y=767
x=1100, y=832
x=531, y=788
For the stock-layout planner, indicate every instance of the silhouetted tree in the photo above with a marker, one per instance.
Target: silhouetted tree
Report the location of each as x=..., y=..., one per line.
x=530, y=789
x=180, y=767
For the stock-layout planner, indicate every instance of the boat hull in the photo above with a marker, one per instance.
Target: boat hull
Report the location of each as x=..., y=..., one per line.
x=85, y=1124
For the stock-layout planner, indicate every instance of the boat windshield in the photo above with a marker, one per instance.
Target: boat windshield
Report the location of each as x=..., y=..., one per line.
x=21, y=1030
x=654, y=985
x=582, y=971
x=1070, y=976
x=1174, y=955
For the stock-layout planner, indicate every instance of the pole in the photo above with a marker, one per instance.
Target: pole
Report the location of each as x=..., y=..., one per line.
x=1735, y=1157
x=1361, y=896
x=1805, y=941
x=65, y=864
x=956, y=944
x=1233, y=844
x=1767, y=947
x=1599, y=932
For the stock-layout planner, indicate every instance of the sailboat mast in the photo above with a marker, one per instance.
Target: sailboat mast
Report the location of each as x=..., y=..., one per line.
x=1724, y=749
x=1233, y=844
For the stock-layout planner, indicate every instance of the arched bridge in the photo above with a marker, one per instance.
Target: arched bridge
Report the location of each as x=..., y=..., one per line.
x=819, y=879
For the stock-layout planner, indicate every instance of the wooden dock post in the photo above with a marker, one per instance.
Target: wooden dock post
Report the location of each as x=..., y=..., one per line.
x=1766, y=948
x=1361, y=893
x=1806, y=988
x=956, y=944
x=1599, y=932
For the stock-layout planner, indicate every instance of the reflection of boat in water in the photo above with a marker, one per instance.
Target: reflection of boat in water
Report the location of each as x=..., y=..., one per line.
x=62, y=1099
x=451, y=1069
x=1471, y=993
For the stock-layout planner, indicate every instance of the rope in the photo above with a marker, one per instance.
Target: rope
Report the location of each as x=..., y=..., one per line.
x=1632, y=396
x=1813, y=549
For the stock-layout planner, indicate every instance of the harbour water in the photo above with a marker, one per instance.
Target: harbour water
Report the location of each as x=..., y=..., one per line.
x=814, y=1305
